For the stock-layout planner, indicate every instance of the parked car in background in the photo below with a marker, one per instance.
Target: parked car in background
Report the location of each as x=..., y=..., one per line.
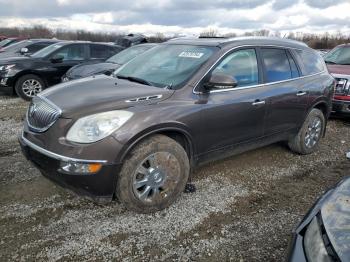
x=107, y=67
x=9, y=41
x=324, y=233
x=322, y=52
x=181, y=104
x=28, y=76
x=131, y=39
x=338, y=63
x=26, y=47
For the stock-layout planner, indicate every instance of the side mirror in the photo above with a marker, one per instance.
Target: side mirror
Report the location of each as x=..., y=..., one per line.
x=57, y=59
x=221, y=81
x=24, y=50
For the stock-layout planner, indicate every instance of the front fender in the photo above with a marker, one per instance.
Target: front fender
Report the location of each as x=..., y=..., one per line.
x=176, y=127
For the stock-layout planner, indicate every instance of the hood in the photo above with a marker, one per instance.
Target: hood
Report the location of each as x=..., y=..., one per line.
x=339, y=69
x=84, y=70
x=101, y=93
x=12, y=60
x=11, y=55
x=336, y=218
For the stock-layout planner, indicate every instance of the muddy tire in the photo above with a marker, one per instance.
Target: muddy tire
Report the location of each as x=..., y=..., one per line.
x=308, y=138
x=28, y=86
x=153, y=175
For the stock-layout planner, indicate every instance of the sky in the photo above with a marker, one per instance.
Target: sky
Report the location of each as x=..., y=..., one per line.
x=184, y=17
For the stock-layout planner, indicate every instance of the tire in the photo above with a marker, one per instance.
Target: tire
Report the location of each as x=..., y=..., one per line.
x=28, y=86
x=310, y=134
x=160, y=161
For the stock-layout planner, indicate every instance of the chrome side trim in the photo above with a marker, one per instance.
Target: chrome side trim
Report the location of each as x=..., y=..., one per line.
x=57, y=156
x=252, y=86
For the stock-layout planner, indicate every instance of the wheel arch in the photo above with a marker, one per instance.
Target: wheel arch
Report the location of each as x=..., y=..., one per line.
x=323, y=106
x=177, y=133
x=28, y=72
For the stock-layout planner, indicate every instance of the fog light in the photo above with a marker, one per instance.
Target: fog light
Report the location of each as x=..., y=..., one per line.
x=80, y=168
x=3, y=81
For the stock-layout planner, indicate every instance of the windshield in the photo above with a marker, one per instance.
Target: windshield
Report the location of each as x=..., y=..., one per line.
x=128, y=54
x=5, y=42
x=47, y=50
x=17, y=46
x=339, y=55
x=166, y=65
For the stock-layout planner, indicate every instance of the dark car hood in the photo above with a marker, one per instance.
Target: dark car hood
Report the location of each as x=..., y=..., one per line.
x=100, y=93
x=11, y=55
x=85, y=70
x=339, y=69
x=336, y=218
x=11, y=60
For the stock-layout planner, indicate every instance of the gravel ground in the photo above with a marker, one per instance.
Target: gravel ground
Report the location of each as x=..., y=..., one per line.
x=244, y=209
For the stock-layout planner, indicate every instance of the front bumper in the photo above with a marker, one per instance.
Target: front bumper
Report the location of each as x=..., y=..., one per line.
x=7, y=81
x=99, y=186
x=341, y=107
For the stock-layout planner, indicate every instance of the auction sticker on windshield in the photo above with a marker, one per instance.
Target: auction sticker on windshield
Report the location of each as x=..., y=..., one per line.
x=191, y=54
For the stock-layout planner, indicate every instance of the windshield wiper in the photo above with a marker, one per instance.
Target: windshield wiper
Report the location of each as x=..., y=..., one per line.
x=135, y=79
x=169, y=87
x=330, y=62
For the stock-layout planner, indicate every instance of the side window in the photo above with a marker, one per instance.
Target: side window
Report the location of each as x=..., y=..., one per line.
x=293, y=66
x=277, y=67
x=242, y=65
x=71, y=52
x=100, y=52
x=313, y=63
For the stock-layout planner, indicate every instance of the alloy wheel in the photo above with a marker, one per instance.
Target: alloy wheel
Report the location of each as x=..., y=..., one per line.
x=156, y=177
x=313, y=132
x=31, y=87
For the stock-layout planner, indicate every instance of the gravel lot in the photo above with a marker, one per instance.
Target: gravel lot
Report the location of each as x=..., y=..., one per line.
x=244, y=209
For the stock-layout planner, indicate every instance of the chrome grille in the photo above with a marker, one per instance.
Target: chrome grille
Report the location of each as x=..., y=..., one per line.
x=42, y=114
x=342, y=86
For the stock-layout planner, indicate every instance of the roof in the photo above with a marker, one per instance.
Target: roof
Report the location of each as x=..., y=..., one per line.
x=237, y=41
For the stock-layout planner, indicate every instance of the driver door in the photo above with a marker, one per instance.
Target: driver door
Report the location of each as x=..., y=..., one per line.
x=72, y=55
x=235, y=115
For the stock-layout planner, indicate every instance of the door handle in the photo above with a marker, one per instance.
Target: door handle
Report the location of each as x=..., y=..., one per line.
x=301, y=93
x=258, y=102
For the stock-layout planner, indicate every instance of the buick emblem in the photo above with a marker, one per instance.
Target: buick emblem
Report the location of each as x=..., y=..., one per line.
x=32, y=110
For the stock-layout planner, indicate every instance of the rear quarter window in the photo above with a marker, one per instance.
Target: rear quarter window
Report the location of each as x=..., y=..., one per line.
x=312, y=62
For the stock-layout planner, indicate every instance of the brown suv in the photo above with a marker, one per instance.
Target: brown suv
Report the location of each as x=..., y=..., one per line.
x=138, y=134
x=338, y=63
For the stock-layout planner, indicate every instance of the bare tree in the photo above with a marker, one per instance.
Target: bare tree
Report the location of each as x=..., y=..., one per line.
x=210, y=32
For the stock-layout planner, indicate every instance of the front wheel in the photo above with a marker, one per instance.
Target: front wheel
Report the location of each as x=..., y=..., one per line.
x=153, y=176
x=308, y=138
x=29, y=86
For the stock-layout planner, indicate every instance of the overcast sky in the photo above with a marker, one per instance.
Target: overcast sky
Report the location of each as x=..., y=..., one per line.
x=188, y=17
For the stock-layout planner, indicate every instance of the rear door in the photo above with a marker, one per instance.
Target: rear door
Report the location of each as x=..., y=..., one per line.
x=288, y=99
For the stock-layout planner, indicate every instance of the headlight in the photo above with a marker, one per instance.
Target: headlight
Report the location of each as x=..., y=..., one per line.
x=6, y=67
x=315, y=248
x=95, y=127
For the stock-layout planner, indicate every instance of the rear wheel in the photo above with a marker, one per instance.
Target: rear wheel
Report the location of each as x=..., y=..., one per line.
x=29, y=86
x=308, y=138
x=154, y=175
